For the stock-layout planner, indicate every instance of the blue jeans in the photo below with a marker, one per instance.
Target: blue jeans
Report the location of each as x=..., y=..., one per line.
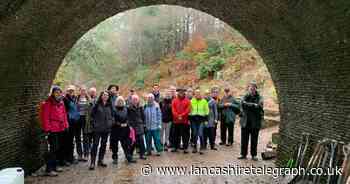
x=155, y=134
x=197, y=128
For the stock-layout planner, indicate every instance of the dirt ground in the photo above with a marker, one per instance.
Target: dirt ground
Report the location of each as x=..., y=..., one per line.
x=125, y=173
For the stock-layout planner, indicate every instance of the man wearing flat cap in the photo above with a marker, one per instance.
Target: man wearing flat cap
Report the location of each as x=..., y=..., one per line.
x=229, y=108
x=251, y=119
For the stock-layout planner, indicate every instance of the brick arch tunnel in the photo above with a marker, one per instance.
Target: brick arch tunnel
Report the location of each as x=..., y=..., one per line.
x=305, y=45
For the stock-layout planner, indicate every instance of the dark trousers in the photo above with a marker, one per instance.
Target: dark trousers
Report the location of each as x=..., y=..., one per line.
x=190, y=119
x=182, y=132
x=120, y=134
x=68, y=145
x=140, y=144
x=87, y=142
x=56, y=152
x=215, y=129
x=172, y=135
x=74, y=132
x=78, y=134
x=209, y=134
x=100, y=138
x=224, y=128
x=254, y=134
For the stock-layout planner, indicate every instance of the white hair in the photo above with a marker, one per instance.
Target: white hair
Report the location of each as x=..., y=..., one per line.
x=150, y=95
x=92, y=89
x=120, y=101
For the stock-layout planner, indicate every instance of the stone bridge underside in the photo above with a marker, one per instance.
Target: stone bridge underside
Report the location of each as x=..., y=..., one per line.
x=305, y=45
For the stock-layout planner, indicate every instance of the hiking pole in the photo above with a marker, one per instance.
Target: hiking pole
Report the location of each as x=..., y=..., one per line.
x=324, y=160
x=301, y=154
x=313, y=160
x=342, y=178
x=333, y=146
x=339, y=160
x=318, y=159
x=318, y=152
x=307, y=137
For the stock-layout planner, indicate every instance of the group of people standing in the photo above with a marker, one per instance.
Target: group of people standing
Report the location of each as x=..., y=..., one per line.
x=175, y=121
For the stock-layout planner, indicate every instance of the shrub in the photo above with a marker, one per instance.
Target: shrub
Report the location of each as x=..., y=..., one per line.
x=183, y=55
x=213, y=47
x=216, y=63
x=229, y=50
x=201, y=57
x=203, y=71
x=140, y=83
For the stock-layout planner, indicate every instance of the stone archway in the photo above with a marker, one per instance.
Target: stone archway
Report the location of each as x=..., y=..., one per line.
x=305, y=45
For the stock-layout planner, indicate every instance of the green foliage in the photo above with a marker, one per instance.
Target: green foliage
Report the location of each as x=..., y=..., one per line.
x=203, y=71
x=214, y=58
x=229, y=50
x=215, y=64
x=213, y=47
x=141, y=73
x=201, y=57
x=157, y=78
x=183, y=55
x=246, y=47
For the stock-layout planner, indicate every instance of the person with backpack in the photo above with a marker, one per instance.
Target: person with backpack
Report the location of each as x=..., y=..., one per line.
x=120, y=131
x=199, y=112
x=70, y=102
x=102, y=116
x=229, y=107
x=153, y=122
x=167, y=118
x=136, y=119
x=251, y=120
x=54, y=123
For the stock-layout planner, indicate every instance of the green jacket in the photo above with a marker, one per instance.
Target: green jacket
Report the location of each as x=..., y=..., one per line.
x=252, y=109
x=88, y=122
x=199, y=107
x=228, y=113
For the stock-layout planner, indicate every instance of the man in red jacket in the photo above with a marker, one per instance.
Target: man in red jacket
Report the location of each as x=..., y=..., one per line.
x=181, y=107
x=54, y=123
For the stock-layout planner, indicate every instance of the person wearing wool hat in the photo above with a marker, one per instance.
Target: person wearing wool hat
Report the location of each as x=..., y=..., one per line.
x=251, y=117
x=54, y=121
x=120, y=132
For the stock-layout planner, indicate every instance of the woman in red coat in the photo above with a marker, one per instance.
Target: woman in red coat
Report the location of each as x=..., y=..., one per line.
x=54, y=123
